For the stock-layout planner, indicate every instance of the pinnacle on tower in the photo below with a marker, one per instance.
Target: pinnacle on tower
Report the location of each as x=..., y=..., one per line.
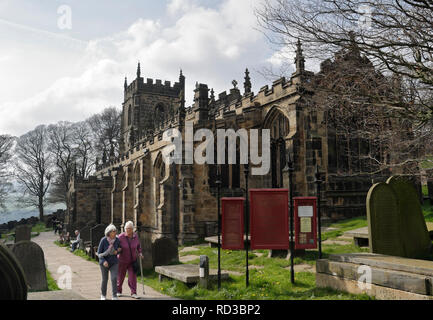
x=181, y=77
x=138, y=70
x=299, y=59
x=126, y=83
x=247, y=83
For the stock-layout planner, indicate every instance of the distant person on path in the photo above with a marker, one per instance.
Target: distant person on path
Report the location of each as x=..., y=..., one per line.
x=54, y=222
x=59, y=227
x=108, y=249
x=76, y=242
x=131, y=247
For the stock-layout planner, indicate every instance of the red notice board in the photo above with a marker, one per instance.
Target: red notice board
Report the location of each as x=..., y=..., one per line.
x=269, y=210
x=232, y=223
x=305, y=222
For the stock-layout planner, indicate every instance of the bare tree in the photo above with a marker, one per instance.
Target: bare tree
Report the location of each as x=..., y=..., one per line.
x=386, y=99
x=85, y=153
x=6, y=144
x=33, y=169
x=106, y=130
x=61, y=146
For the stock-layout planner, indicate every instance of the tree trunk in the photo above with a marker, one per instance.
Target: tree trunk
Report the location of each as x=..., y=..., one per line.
x=41, y=210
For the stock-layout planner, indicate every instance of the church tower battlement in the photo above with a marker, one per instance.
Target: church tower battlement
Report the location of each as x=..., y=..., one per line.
x=147, y=105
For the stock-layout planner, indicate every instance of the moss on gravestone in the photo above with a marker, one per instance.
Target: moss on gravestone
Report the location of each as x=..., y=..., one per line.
x=384, y=221
x=414, y=233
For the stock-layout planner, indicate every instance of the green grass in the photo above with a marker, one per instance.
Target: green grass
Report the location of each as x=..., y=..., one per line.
x=52, y=284
x=78, y=252
x=424, y=190
x=40, y=227
x=428, y=211
x=266, y=284
x=57, y=242
x=343, y=226
x=271, y=282
x=83, y=254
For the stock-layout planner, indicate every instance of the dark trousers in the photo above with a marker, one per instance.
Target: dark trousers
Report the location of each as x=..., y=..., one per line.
x=113, y=271
x=74, y=245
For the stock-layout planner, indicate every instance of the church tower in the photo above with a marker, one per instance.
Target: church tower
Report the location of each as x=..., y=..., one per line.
x=146, y=107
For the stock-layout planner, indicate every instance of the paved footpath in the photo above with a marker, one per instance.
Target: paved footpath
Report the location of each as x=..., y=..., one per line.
x=86, y=275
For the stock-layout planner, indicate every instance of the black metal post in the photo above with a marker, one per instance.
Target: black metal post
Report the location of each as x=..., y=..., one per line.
x=292, y=242
x=247, y=223
x=218, y=183
x=319, y=217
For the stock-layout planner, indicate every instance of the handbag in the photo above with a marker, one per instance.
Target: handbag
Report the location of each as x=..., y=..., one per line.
x=134, y=262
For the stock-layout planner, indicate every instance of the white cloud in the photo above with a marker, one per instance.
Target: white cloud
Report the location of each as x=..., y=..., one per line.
x=178, y=7
x=211, y=45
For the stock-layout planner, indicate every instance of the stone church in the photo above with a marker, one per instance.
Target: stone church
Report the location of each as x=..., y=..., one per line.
x=178, y=201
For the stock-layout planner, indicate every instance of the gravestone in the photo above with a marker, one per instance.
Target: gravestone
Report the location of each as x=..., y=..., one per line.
x=96, y=234
x=146, y=249
x=13, y=284
x=23, y=233
x=85, y=234
x=164, y=251
x=31, y=258
x=414, y=233
x=384, y=221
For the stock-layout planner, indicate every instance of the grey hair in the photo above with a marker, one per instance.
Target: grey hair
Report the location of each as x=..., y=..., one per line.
x=129, y=224
x=110, y=229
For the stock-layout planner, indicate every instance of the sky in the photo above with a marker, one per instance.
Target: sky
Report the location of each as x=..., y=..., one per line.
x=66, y=60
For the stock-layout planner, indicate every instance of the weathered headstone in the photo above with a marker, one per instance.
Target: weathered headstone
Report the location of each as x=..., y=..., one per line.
x=13, y=284
x=96, y=234
x=384, y=221
x=164, y=251
x=414, y=233
x=23, y=233
x=146, y=249
x=31, y=257
x=85, y=233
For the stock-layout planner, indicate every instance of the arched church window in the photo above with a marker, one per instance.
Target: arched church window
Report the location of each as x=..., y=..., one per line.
x=129, y=115
x=279, y=125
x=159, y=174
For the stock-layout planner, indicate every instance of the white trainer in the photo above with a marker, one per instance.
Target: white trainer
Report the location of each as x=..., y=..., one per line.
x=115, y=298
x=103, y=297
x=135, y=296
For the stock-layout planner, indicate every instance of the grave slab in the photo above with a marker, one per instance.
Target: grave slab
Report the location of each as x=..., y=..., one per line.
x=187, y=273
x=391, y=277
x=32, y=259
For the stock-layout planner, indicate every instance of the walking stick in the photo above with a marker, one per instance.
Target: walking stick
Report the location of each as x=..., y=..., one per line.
x=141, y=271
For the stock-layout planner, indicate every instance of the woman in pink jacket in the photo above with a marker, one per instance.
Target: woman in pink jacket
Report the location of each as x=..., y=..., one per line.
x=131, y=247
